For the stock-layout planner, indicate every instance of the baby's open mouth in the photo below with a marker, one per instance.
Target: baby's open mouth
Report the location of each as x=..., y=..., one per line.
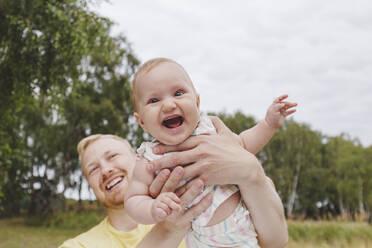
x=173, y=122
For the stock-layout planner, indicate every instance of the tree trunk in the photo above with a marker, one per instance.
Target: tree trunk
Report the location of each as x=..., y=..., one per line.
x=292, y=196
x=343, y=211
x=80, y=186
x=362, y=211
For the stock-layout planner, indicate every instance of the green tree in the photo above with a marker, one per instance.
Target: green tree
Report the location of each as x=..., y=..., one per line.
x=63, y=76
x=344, y=157
x=237, y=122
x=293, y=159
x=367, y=182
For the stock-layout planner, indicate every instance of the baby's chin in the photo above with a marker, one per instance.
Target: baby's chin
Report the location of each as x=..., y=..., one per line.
x=173, y=140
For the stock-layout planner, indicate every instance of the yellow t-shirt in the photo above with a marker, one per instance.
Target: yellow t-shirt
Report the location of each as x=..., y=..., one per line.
x=104, y=235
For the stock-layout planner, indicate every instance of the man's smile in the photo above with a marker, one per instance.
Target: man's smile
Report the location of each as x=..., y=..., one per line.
x=112, y=183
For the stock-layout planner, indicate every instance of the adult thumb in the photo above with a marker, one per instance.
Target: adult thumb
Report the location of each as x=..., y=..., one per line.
x=219, y=125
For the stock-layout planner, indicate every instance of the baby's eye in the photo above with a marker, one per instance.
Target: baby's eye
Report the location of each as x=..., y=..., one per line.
x=113, y=155
x=153, y=100
x=179, y=93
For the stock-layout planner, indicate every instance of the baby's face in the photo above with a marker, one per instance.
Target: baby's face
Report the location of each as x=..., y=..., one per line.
x=167, y=104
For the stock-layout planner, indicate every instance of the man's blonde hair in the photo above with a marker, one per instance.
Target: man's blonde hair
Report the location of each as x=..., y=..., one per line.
x=147, y=67
x=84, y=143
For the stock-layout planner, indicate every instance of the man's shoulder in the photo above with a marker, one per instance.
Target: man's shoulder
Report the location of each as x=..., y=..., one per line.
x=88, y=238
x=104, y=235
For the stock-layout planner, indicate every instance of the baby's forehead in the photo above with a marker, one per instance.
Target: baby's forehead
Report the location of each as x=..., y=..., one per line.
x=175, y=70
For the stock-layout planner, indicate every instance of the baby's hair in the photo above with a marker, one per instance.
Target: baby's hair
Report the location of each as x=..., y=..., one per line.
x=147, y=67
x=84, y=143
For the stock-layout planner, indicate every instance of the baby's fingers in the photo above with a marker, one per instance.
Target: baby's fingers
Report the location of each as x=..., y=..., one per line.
x=278, y=106
x=290, y=104
x=289, y=112
x=288, y=108
x=161, y=211
x=283, y=106
x=280, y=98
x=172, y=201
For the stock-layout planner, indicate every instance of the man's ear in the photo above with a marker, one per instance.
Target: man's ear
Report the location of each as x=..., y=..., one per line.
x=139, y=120
x=198, y=100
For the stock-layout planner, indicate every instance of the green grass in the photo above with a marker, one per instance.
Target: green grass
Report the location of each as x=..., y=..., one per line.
x=36, y=232
x=331, y=233
x=27, y=232
x=70, y=220
x=15, y=234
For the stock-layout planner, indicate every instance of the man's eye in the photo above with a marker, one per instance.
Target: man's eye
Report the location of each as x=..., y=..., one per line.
x=153, y=100
x=179, y=93
x=93, y=169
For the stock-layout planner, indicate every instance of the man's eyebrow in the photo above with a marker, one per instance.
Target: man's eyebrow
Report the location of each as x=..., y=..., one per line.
x=90, y=164
x=94, y=162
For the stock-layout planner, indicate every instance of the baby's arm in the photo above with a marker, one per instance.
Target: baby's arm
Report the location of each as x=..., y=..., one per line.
x=141, y=206
x=255, y=138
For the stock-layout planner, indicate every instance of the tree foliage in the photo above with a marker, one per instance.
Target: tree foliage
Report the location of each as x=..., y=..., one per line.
x=63, y=76
x=317, y=176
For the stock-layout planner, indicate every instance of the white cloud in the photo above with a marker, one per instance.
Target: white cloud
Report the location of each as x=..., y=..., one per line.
x=243, y=54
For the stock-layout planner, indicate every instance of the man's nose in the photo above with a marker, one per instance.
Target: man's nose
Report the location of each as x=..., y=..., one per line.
x=107, y=170
x=169, y=104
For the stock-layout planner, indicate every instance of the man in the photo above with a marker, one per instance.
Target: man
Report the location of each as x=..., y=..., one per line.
x=217, y=159
x=107, y=161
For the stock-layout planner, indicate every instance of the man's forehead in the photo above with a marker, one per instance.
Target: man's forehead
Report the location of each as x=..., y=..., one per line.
x=107, y=144
x=101, y=147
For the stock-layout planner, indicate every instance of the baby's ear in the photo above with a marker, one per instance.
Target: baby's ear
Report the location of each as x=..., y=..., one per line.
x=139, y=120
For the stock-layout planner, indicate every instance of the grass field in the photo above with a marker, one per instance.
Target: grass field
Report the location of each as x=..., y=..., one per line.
x=332, y=234
x=18, y=232
x=15, y=234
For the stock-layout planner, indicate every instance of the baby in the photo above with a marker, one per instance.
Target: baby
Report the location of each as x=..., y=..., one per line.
x=167, y=106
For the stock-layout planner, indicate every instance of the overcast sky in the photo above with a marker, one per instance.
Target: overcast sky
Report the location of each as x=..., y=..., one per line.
x=242, y=54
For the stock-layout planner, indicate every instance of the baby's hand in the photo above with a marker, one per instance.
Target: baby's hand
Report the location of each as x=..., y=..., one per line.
x=164, y=205
x=278, y=110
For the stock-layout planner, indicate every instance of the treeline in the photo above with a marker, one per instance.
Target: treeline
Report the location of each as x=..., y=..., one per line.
x=317, y=176
x=63, y=76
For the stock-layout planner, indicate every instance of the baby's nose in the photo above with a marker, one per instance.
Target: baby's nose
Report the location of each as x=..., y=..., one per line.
x=169, y=104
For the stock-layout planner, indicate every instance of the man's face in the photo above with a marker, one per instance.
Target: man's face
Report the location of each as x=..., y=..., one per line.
x=167, y=104
x=108, y=165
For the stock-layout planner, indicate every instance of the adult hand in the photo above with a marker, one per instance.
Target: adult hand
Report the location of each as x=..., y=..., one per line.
x=220, y=159
x=181, y=220
x=216, y=159
x=167, y=181
x=171, y=231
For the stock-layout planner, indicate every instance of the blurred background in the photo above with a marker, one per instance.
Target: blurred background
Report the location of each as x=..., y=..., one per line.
x=65, y=72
